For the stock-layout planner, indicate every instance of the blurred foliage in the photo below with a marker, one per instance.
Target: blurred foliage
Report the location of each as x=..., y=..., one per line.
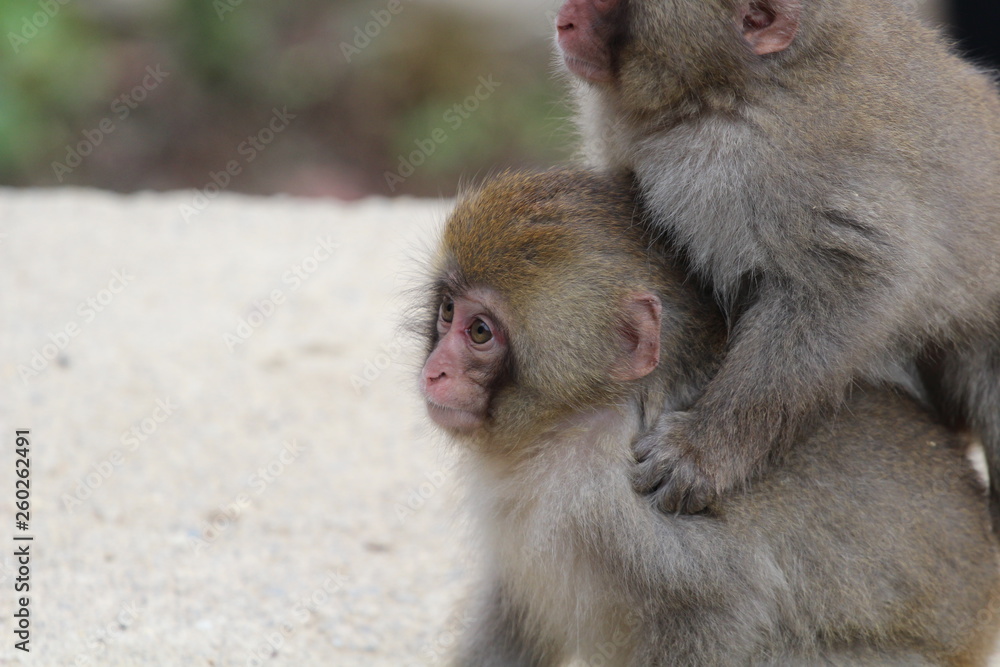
x=229, y=63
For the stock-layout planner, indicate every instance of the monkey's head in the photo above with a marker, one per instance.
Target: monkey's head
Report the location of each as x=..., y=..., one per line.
x=547, y=299
x=652, y=54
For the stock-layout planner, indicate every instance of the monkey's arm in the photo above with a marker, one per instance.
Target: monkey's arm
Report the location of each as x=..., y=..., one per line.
x=793, y=353
x=499, y=637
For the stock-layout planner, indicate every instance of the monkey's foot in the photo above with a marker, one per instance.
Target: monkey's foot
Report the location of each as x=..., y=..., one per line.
x=668, y=469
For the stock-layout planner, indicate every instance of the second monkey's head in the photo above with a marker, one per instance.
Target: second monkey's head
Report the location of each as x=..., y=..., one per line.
x=548, y=299
x=649, y=54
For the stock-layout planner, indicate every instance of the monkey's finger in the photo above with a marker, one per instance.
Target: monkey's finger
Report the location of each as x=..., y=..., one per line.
x=644, y=446
x=683, y=492
x=672, y=497
x=656, y=439
x=649, y=475
x=696, y=500
x=666, y=500
x=651, y=443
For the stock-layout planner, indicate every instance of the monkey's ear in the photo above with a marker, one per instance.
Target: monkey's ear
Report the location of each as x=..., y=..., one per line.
x=770, y=26
x=642, y=314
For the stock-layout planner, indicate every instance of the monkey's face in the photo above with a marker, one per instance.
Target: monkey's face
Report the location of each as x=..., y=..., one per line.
x=586, y=31
x=648, y=54
x=465, y=362
x=488, y=374
x=543, y=302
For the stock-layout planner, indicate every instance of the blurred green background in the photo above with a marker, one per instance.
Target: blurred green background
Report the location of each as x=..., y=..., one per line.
x=162, y=94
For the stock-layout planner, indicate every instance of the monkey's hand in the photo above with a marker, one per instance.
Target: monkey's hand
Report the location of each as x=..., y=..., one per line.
x=669, y=468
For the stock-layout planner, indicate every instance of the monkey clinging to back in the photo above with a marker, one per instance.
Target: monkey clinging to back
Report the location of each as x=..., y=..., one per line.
x=555, y=334
x=833, y=172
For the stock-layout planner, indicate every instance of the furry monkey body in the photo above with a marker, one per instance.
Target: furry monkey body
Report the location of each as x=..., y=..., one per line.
x=582, y=567
x=556, y=334
x=832, y=172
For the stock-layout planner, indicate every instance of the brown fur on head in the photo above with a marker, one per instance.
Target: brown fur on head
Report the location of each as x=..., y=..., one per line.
x=661, y=60
x=689, y=54
x=566, y=259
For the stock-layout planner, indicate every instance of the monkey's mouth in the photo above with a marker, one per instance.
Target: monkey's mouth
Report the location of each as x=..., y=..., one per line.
x=454, y=419
x=586, y=69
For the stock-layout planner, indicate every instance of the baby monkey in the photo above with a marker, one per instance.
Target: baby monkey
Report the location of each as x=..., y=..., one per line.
x=832, y=171
x=556, y=333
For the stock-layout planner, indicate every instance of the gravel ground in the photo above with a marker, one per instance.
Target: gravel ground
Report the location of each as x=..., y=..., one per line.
x=229, y=465
x=281, y=500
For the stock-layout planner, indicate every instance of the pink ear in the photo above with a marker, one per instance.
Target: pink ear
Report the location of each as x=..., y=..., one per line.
x=642, y=314
x=770, y=26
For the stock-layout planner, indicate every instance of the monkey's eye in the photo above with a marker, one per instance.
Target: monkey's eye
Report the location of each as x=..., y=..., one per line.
x=480, y=332
x=447, y=310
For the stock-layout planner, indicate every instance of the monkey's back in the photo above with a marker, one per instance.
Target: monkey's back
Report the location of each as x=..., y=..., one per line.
x=902, y=137
x=869, y=544
x=882, y=509
x=875, y=143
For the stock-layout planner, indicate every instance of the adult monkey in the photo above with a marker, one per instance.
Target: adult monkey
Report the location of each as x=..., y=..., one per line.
x=833, y=172
x=555, y=334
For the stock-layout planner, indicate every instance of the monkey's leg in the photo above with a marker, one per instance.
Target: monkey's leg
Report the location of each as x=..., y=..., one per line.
x=861, y=659
x=970, y=385
x=500, y=638
x=794, y=352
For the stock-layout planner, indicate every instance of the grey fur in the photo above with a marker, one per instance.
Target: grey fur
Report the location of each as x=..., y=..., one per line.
x=870, y=545
x=848, y=549
x=849, y=186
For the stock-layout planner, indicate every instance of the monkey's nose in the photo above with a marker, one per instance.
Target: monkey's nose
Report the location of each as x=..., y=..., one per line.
x=566, y=19
x=574, y=11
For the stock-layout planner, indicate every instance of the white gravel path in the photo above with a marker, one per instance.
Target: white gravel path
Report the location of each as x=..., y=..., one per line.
x=209, y=538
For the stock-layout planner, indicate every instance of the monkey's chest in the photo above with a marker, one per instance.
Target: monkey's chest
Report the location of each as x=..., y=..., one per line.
x=705, y=188
x=571, y=601
x=553, y=552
